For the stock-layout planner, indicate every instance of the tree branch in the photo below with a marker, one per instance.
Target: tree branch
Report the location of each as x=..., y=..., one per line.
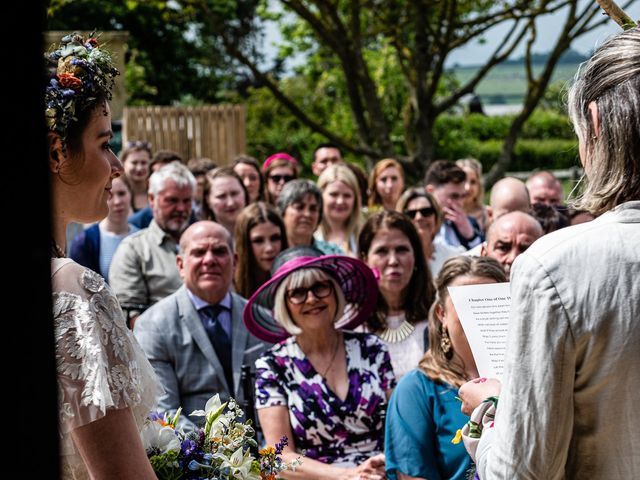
x=617, y=14
x=536, y=89
x=505, y=15
x=496, y=58
x=337, y=40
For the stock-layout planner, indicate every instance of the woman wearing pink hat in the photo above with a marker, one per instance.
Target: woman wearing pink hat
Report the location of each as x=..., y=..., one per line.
x=278, y=169
x=322, y=386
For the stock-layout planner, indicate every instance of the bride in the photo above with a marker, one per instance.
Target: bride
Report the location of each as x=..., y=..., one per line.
x=106, y=386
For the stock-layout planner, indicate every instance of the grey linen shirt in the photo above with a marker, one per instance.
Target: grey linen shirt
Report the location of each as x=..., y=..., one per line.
x=569, y=401
x=143, y=270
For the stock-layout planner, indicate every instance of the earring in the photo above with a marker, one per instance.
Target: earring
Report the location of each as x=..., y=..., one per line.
x=445, y=343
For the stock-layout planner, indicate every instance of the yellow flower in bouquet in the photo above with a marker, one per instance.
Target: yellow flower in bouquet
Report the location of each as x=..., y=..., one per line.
x=220, y=450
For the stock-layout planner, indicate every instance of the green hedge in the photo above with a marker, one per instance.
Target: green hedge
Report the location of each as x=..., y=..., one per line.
x=547, y=140
x=543, y=124
x=550, y=154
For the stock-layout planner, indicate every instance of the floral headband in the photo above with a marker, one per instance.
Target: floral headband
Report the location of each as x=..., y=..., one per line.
x=80, y=73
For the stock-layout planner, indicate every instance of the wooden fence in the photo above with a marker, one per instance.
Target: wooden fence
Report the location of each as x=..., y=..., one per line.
x=216, y=132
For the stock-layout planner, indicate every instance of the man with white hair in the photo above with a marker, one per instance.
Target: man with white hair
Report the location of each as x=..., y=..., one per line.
x=509, y=236
x=143, y=270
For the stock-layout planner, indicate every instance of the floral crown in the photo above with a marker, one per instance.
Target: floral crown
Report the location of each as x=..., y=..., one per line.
x=80, y=73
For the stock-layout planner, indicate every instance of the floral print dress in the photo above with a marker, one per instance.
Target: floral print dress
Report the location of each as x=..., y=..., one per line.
x=326, y=428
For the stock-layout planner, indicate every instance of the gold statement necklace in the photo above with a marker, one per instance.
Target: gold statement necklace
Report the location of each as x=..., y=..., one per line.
x=398, y=334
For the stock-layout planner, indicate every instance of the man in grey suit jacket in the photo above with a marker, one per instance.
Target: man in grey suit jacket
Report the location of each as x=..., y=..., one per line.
x=195, y=338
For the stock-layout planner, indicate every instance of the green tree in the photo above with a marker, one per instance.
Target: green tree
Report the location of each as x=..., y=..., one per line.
x=373, y=80
x=413, y=38
x=166, y=59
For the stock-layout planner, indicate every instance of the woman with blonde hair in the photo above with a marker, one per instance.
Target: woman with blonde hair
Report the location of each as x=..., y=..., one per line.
x=423, y=414
x=386, y=183
x=474, y=199
x=322, y=385
x=341, y=208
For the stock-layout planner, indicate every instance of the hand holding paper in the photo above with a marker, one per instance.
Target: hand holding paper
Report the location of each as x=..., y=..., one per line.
x=483, y=311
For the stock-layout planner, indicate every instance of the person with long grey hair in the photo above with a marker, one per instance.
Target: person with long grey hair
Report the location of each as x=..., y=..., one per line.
x=568, y=398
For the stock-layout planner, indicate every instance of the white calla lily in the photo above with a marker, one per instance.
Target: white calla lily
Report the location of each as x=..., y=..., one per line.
x=240, y=464
x=157, y=437
x=212, y=405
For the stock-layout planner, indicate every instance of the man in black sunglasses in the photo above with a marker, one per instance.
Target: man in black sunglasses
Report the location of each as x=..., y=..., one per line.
x=445, y=180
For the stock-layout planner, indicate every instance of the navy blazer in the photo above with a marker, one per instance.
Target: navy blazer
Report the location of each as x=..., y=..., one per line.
x=85, y=248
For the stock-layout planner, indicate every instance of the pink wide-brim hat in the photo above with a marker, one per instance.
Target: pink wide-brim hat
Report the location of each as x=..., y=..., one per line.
x=354, y=277
x=279, y=156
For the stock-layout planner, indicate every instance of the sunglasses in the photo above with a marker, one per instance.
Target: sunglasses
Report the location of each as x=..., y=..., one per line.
x=138, y=144
x=298, y=296
x=425, y=212
x=279, y=178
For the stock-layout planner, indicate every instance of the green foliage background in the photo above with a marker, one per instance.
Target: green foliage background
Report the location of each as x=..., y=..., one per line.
x=175, y=58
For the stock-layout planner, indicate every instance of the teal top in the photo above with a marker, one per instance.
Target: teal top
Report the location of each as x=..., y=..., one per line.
x=422, y=419
x=327, y=248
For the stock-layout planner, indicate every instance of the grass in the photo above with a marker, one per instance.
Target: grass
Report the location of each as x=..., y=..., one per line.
x=507, y=84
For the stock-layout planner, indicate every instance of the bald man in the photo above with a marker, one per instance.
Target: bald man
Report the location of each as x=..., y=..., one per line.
x=509, y=236
x=545, y=188
x=195, y=338
x=509, y=194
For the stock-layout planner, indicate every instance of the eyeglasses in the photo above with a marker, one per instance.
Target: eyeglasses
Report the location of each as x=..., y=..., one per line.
x=299, y=295
x=425, y=212
x=138, y=144
x=279, y=178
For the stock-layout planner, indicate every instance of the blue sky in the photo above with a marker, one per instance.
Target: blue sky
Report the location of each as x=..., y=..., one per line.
x=548, y=28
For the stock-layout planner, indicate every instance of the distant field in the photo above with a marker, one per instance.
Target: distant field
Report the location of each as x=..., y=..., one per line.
x=506, y=84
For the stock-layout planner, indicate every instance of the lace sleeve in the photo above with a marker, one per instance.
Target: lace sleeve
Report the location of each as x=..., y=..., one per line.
x=100, y=366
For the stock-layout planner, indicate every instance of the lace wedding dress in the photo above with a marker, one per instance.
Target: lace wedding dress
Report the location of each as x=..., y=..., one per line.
x=100, y=365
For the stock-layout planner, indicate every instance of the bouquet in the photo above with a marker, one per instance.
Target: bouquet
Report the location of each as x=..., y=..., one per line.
x=220, y=450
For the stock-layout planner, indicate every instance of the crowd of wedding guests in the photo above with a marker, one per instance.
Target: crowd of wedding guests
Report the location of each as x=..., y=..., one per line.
x=335, y=291
x=213, y=237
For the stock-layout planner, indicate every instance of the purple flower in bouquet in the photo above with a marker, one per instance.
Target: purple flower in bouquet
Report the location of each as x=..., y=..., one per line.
x=220, y=450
